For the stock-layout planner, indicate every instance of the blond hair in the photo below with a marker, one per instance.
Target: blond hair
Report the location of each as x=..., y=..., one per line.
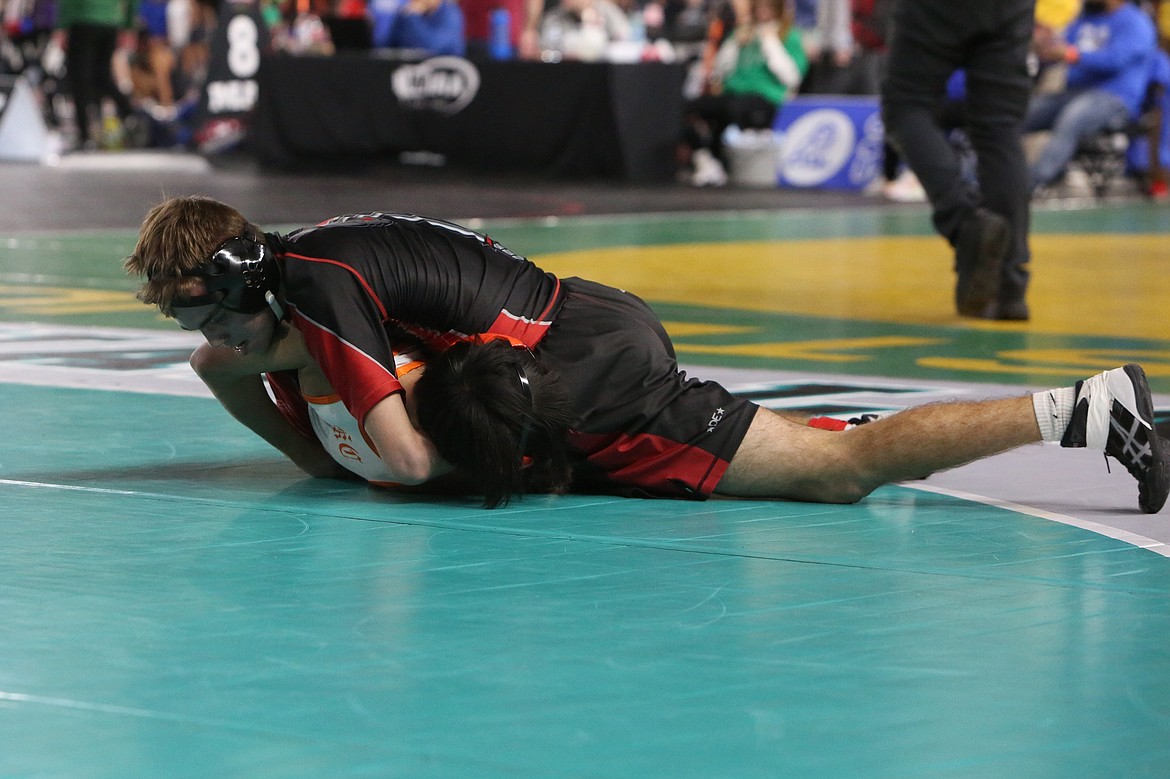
x=177, y=236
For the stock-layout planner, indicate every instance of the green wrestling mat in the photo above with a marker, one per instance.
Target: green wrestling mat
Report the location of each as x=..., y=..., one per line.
x=180, y=602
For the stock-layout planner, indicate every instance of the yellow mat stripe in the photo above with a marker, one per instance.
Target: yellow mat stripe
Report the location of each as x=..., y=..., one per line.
x=1102, y=285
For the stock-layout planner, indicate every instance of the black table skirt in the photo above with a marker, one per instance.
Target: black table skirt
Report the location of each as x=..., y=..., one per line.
x=565, y=119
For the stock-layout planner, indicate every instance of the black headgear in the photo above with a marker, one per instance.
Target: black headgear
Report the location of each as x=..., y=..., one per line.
x=241, y=275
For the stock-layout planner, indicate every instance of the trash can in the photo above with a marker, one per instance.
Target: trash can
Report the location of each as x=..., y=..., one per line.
x=753, y=157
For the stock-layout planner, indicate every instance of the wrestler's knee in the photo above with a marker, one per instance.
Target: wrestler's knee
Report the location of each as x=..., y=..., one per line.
x=782, y=459
x=841, y=482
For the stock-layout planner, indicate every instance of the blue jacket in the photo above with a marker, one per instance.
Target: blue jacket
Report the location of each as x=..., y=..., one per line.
x=1139, y=149
x=439, y=32
x=1116, y=53
x=806, y=14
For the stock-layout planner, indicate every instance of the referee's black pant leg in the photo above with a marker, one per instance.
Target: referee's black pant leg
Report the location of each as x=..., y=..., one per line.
x=923, y=55
x=998, y=92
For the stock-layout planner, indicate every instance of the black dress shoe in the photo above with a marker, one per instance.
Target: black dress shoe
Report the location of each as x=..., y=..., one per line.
x=982, y=245
x=1005, y=311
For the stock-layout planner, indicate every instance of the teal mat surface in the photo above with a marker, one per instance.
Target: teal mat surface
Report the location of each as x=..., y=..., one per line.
x=179, y=602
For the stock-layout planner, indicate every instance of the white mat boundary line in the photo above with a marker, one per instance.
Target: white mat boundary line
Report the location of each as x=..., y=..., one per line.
x=1117, y=534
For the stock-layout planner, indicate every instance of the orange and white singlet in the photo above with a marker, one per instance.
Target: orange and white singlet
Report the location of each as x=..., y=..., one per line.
x=342, y=436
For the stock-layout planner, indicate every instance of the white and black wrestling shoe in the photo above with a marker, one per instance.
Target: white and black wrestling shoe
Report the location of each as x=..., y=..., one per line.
x=1114, y=413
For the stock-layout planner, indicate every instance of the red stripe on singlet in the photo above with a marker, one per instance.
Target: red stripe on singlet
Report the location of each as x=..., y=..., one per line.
x=358, y=378
x=528, y=331
x=656, y=464
x=361, y=279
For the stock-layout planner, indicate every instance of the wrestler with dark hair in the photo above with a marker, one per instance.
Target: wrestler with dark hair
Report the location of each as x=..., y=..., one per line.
x=501, y=418
x=521, y=361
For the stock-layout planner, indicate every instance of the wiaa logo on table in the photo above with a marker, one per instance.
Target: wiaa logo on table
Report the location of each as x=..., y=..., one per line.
x=443, y=84
x=816, y=146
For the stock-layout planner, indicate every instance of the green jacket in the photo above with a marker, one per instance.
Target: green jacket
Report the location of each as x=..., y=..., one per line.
x=110, y=13
x=753, y=75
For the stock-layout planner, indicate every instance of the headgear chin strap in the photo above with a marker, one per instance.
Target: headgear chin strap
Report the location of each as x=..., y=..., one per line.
x=241, y=275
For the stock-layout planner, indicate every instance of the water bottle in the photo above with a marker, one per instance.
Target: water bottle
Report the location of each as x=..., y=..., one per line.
x=500, y=46
x=637, y=28
x=113, y=134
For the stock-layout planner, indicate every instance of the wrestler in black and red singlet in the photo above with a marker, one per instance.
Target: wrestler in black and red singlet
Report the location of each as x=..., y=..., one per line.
x=352, y=280
x=642, y=426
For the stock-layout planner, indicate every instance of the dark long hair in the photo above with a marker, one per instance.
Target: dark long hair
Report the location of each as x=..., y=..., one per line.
x=478, y=402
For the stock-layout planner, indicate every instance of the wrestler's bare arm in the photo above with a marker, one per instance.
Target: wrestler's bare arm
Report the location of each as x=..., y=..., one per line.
x=408, y=453
x=236, y=381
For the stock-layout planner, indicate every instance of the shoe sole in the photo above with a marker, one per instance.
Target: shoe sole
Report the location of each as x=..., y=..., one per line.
x=1156, y=483
x=980, y=285
x=1012, y=312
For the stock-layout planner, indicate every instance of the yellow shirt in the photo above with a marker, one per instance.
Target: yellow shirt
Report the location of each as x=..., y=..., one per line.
x=1057, y=13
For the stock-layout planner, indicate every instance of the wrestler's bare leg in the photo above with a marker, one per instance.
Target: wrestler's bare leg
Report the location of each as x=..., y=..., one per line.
x=780, y=458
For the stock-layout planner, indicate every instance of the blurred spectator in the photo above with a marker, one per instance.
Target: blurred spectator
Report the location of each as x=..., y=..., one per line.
x=685, y=24
x=755, y=70
x=849, y=42
x=860, y=72
x=804, y=19
x=28, y=48
x=828, y=45
x=647, y=40
x=1109, y=50
x=306, y=34
x=1056, y=14
x=583, y=29
x=190, y=24
x=1052, y=19
x=804, y=15
x=523, y=16
x=644, y=18
x=1157, y=141
x=350, y=22
x=433, y=26
x=89, y=32
x=27, y=27
x=167, y=68
x=153, y=62
x=725, y=17
x=847, y=48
